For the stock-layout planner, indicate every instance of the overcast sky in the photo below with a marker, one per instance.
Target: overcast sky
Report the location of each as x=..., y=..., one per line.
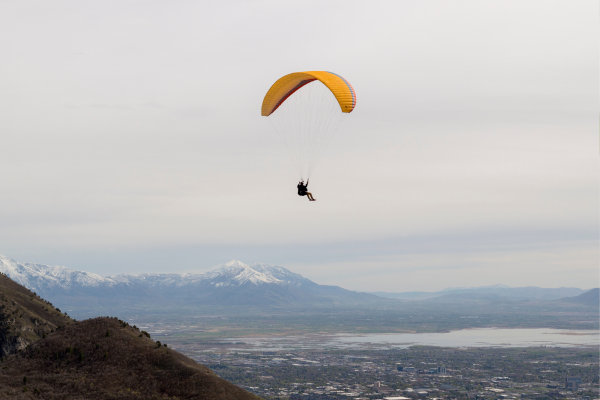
x=131, y=140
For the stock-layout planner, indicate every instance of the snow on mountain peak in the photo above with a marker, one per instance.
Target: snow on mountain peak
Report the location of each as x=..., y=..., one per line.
x=237, y=273
x=233, y=263
x=35, y=276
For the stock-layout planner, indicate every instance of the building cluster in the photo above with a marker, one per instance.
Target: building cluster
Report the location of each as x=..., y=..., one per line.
x=312, y=375
x=572, y=382
x=436, y=370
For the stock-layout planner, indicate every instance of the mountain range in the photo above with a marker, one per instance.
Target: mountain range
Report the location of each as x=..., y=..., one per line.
x=488, y=292
x=233, y=283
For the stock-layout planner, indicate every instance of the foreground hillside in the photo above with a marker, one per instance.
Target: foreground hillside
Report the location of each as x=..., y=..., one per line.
x=104, y=358
x=24, y=317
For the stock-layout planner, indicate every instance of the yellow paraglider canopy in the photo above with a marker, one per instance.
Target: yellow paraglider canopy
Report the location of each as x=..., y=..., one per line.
x=287, y=85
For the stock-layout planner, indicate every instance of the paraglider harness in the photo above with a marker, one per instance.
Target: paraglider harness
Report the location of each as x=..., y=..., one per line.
x=302, y=188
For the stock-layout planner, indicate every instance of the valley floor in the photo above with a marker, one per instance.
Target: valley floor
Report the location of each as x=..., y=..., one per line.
x=215, y=323
x=468, y=373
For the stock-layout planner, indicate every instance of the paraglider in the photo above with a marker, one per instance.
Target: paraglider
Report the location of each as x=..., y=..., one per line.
x=303, y=190
x=306, y=110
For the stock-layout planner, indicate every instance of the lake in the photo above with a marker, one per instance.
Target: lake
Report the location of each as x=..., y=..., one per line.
x=484, y=337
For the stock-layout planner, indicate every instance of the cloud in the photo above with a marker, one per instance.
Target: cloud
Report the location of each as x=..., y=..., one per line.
x=154, y=104
x=111, y=106
x=572, y=265
x=192, y=112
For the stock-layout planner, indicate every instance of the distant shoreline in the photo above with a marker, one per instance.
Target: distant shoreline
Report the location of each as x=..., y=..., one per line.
x=464, y=338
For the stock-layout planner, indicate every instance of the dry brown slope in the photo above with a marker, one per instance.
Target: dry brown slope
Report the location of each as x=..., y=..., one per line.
x=104, y=358
x=24, y=317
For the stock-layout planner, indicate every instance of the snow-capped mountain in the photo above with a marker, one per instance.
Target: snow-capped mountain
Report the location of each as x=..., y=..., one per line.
x=227, y=284
x=238, y=273
x=232, y=274
x=40, y=277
